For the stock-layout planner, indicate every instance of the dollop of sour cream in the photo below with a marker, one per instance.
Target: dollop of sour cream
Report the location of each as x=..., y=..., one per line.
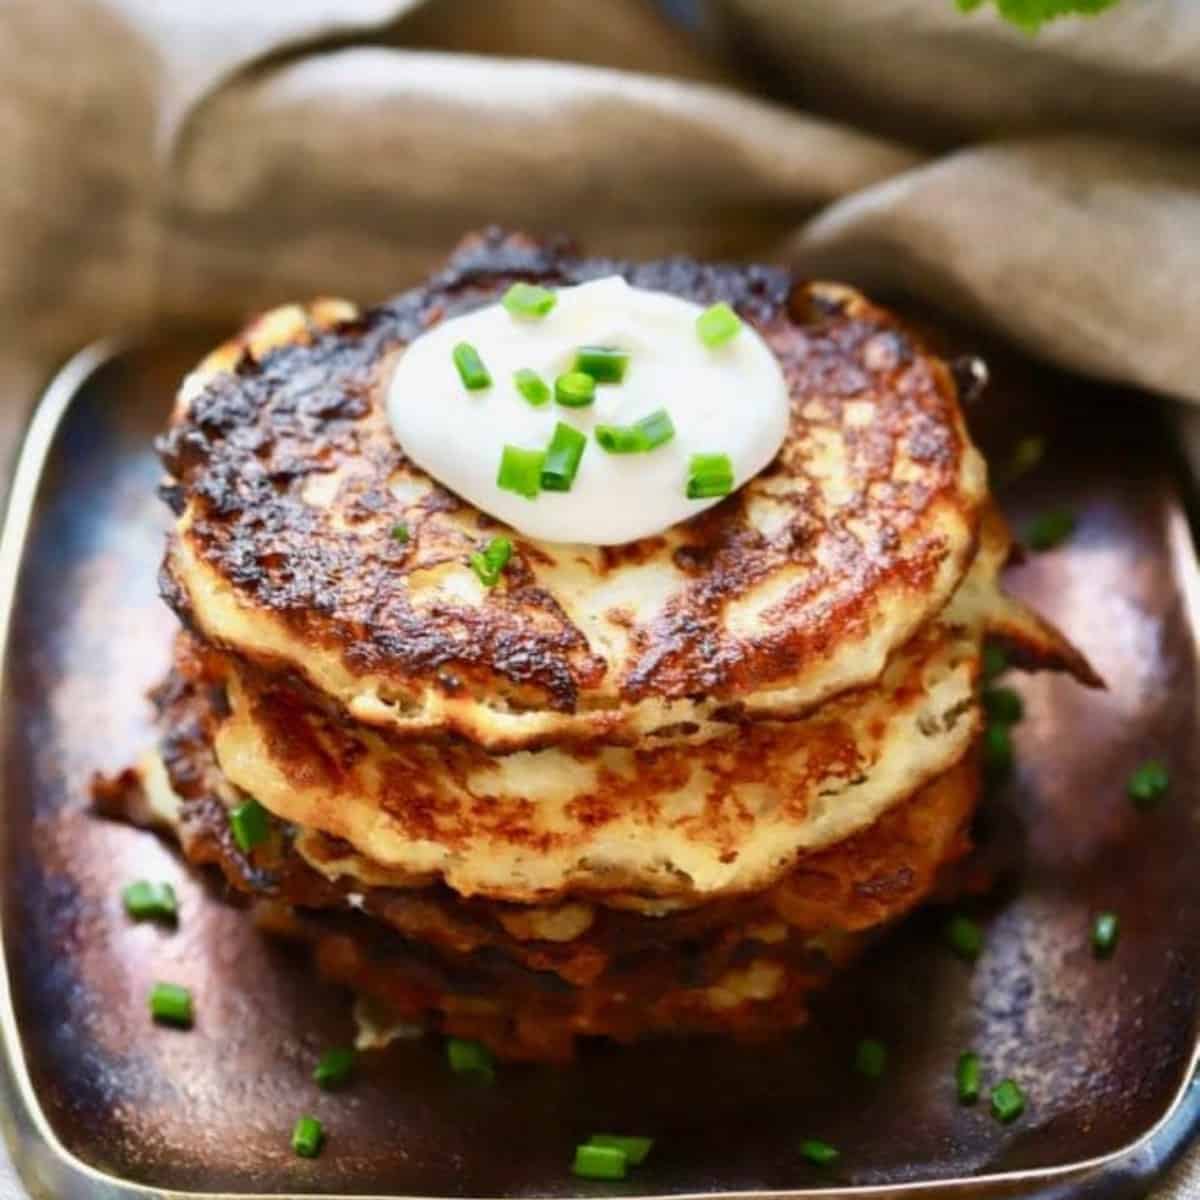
x=730, y=399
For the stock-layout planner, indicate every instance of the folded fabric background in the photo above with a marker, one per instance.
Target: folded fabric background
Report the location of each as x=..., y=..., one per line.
x=168, y=160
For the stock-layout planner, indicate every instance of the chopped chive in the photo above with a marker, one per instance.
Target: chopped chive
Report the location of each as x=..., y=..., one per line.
x=575, y=389
x=639, y=438
x=997, y=750
x=562, y=458
x=146, y=901
x=870, y=1058
x=635, y=1149
x=820, y=1154
x=520, y=471
x=968, y=1078
x=171, y=1004
x=532, y=386
x=1050, y=529
x=1026, y=455
x=470, y=1058
x=1008, y=1101
x=307, y=1137
x=995, y=662
x=489, y=562
x=605, y=364
x=334, y=1067
x=964, y=937
x=1003, y=705
x=250, y=824
x=470, y=366
x=529, y=300
x=717, y=325
x=599, y=1162
x=400, y=532
x=1106, y=929
x=709, y=475
x=1148, y=784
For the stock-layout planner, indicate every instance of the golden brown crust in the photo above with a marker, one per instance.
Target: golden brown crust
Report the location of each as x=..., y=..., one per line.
x=288, y=479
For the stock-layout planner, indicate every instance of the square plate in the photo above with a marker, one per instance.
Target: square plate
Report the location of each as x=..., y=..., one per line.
x=105, y=1103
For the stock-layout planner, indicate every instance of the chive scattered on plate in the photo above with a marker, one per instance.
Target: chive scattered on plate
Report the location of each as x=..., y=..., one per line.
x=995, y=662
x=997, y=750
x=820, y=1154
x=968, y=1078
x=334, y=1067
x=870, y=1058
x=308, y=1137
x=171, y=1004
x=1049, y=530
x=964, y=937
x=470, y=1058
x=599, y=1162
x=1106, y=930
x=1008, y=1101
x=147, y=901
x=1148, y=784
x=635, y=1149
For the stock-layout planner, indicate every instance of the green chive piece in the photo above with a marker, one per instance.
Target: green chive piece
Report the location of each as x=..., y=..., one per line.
x=1106, y=929
x=639, y=438
x=470, y=1058
x=532, y=386
x=171, y=1004
x=251, y=825
x=1008, y=1101
x=575, y=389
x=717, y=325
x=529, y=300
x=1050, y=529
x=870, y=1058
x=1148, y=784
x=599, y=1162
x=964, y=937
x=709, y=475
x=307, y=1137
x=562, y=458
x=1003, y=705
x=997, y=750
x=470, y=366
x=520, y=471
x=400, y=532
x=995, y=662
x=968, y=1078
x=820, y=1154
x=1026, y=455
x=146, y=901
x=635, y=1149
x=334, y=1067
x=491, y=561
x=605, y=364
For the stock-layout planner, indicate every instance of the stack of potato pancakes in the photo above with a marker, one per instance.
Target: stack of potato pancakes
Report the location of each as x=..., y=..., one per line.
x=662, y=788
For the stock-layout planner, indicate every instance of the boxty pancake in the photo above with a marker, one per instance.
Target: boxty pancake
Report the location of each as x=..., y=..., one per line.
x=287, y=484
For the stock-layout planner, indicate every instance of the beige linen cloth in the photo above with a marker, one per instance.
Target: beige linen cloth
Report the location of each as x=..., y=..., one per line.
x=188, y=160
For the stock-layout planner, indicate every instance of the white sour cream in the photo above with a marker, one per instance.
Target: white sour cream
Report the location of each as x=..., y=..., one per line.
x=732, y=399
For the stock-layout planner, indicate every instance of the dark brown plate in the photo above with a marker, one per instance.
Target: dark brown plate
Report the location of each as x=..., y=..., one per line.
x=102, y=1100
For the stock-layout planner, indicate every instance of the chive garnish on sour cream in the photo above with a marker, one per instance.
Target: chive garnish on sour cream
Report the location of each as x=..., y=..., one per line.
x=562, y=458
x=709, y=475
x=639, y=438
x=532, y=386
x=717, y=325
x=575, y=389
x=528, y=300
x=605, y=364
x=521, y=471
x=471, y=371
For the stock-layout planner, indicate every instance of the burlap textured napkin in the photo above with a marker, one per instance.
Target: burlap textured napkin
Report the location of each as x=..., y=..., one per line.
x=197, y=159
